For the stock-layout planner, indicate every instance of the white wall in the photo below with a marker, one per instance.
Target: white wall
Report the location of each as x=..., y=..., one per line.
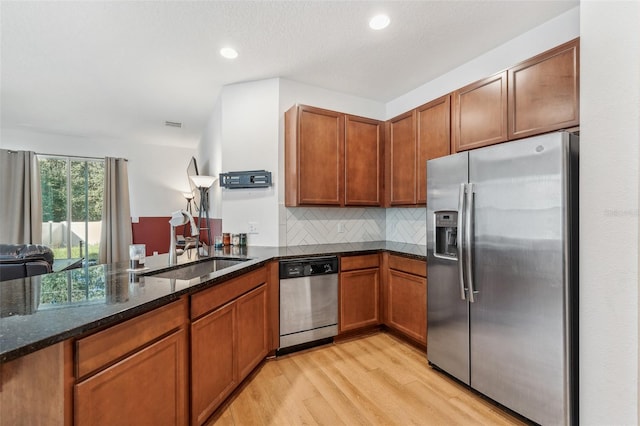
x=157, y=174
x=248, y=126
x=561, y=29
x=292, y=92
x=209, y=157
x=610, y=133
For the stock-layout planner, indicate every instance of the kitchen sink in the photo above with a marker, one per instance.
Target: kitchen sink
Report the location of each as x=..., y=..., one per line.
x=199, y=269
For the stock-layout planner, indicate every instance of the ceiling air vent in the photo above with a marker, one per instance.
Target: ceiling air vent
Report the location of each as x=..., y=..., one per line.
x=173, y=124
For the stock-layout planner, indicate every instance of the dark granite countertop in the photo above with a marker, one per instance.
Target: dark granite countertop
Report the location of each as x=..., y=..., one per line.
x=40, y=311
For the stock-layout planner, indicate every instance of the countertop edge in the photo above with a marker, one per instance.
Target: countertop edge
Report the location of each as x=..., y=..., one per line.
x=119, y=317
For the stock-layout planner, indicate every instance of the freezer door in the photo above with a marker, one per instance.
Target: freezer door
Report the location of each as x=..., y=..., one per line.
x=447, y=311
x=519, y=321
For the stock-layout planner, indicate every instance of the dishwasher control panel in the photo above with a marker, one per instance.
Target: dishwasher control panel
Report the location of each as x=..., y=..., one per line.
x=308, y=266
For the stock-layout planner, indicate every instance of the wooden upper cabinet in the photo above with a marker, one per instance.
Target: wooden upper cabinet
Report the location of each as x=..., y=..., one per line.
x=544, y=92
x=363, y=161
x=332, y=159
x=434, y=138
x=314, y=157
x=480, y=113
x=401, y=159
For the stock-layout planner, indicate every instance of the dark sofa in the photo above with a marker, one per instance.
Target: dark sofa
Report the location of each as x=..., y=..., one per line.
x=24, y=260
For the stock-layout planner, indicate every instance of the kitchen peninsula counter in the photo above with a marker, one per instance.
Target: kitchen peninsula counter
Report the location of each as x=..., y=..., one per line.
x=33, y=317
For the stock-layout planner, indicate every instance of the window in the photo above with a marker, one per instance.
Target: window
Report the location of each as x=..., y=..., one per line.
x=72, y=191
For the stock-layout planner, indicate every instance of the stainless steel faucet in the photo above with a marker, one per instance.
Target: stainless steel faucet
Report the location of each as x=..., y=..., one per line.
x=179, y=218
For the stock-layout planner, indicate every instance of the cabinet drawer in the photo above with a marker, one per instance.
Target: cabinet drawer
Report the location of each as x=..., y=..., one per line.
x=105, y=347
x=214, y=297
x=411, y=266
x=348, y=263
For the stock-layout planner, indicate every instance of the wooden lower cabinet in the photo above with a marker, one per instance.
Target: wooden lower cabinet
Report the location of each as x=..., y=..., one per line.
x=213, y=370
x=406, y=293
x=135, y=372
x=252, y=328
x=147, y=387
x=359, y=299
x=34, y=389
x=359, y=292
x=226, y=345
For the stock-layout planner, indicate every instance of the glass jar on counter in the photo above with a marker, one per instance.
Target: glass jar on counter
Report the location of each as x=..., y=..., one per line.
x=136, y=256
x=235, y=239
x=243, y=240
x=226, y=239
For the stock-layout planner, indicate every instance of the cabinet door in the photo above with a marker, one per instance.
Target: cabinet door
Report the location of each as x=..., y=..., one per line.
x=407, y=305
x=359, y=299
x=213, y=370
x=434, y=138
x=252, y=330
x=544, y=92
x=363, y=161
x=480, y=113
x=148, y=387
x=314, y=153
x=401, y=176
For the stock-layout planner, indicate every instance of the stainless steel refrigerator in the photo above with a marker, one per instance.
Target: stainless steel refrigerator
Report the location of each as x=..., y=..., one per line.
x=502, y=254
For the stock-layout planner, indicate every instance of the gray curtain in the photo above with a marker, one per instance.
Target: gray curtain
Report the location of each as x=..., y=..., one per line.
x=116, y=212
x=20, y=198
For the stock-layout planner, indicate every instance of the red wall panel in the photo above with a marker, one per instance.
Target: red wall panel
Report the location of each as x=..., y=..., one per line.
x=154, y=232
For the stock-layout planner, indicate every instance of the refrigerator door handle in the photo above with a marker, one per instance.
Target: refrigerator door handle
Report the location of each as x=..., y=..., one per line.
x=468, y=233
x=460, y=241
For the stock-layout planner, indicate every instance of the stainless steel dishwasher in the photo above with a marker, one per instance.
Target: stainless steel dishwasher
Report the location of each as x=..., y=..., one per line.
x=308, y=300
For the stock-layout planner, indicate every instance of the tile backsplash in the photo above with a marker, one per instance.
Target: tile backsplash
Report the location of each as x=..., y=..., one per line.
x=407, y=225
x=326, y=225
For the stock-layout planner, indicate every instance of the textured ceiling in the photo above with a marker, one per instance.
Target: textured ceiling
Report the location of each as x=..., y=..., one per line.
x=119, y=69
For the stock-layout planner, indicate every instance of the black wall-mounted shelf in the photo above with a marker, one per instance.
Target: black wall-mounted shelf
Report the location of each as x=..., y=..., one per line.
x=246, y=179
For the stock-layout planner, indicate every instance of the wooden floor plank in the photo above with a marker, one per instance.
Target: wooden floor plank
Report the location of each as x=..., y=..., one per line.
x=374, y=380
x=322, y=411
x=348, y=373
x=336, y=391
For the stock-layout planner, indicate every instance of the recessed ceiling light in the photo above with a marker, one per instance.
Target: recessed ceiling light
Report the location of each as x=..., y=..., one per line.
x=379, y=22
x=229, y=53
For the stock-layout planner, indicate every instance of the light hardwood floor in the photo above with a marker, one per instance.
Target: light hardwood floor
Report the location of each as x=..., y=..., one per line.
x=372, y=380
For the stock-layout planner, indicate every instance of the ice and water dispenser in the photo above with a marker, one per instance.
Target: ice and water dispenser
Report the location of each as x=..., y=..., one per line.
x=446, y=234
